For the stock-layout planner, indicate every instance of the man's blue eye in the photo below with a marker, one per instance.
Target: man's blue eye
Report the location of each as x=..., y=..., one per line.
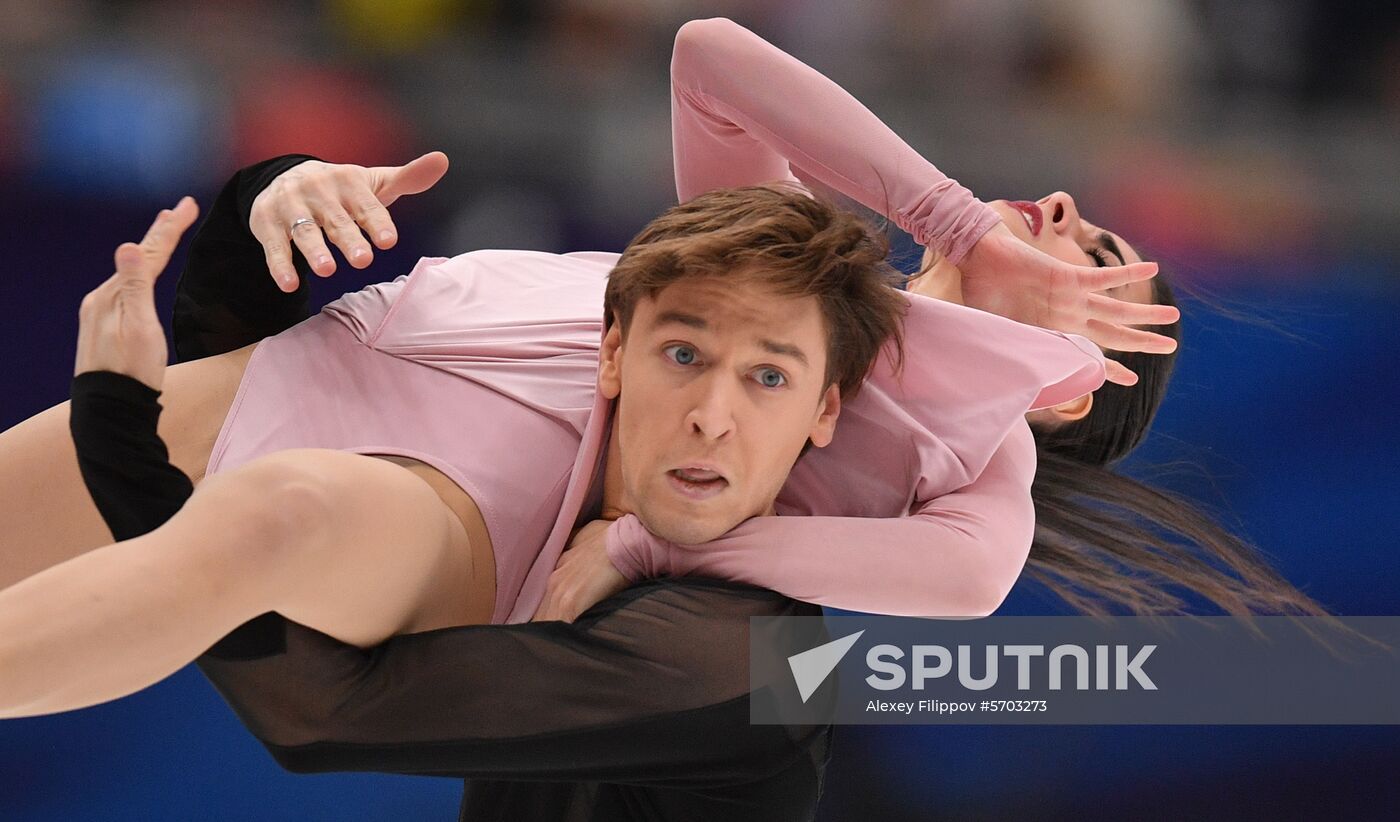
x=685, y=354
x=769, y=372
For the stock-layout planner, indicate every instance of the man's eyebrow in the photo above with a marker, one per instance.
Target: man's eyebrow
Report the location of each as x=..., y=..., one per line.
x=692, y=321
x=667, y=317
x=1107, y=241
x=787, y=349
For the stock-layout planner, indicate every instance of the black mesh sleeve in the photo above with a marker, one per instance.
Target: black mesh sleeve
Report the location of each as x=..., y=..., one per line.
x=650, y=687
x=225, y=297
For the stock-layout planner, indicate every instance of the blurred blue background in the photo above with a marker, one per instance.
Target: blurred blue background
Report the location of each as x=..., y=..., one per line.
x=1251, y=145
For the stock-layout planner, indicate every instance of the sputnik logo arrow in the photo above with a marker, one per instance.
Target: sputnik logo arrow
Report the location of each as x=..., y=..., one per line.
x=811, y=668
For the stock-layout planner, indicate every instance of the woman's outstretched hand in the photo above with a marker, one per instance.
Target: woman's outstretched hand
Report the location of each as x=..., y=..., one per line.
x=584, y=576
x=1004, y=276
x=340, y=199
x=118, y=329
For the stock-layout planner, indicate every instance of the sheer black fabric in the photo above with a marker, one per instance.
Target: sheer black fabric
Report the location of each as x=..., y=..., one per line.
x=637, y=710
x=646, y=695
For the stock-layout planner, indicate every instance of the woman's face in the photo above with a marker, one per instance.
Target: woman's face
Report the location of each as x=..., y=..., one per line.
x=1053, y=225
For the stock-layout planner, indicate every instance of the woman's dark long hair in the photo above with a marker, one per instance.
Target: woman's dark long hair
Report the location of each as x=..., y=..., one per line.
x=1103, y=539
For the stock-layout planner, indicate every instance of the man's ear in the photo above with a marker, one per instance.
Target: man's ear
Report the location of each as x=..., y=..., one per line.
x=824, y=427
x=610, y=363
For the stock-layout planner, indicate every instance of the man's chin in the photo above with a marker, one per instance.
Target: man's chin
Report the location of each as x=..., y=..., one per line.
x=684, y=530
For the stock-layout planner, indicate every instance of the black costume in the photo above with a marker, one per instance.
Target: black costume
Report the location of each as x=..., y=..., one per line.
x=637, y=710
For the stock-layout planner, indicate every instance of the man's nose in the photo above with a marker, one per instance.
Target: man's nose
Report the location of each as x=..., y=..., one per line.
x=712, y=408
x=1061, y=212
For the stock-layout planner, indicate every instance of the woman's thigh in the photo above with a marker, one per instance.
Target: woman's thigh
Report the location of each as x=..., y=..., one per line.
x=46, y=514
x=369, y=547
x=480, y=584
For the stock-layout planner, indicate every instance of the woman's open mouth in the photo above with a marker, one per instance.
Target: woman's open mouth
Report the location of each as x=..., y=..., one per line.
x=1034, y=216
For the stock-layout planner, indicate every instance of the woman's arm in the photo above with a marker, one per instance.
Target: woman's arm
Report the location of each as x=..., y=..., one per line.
x=957, y=555
x=743, y=111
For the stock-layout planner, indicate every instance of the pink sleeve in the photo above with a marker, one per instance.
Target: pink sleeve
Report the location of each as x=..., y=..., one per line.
x=744, y=111
x=957, y=555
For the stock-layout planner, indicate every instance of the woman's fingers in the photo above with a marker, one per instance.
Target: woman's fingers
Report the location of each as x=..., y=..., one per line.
x=373, y=217
x=1110, y=321
x=309, y=206
x=363, y=200
x=342, y=206
x=419, y=175
x=1121, y=338
x=305, y=233
x=546, y=609
x=1101, y=279
x=384, y=185
x=1117, y=372
x=1125, y=312
x=128, y=259
x=160, y=241
x=118, y=328
x=277, y=248
x=132, y=310
x=344, y=231
x=347, y=202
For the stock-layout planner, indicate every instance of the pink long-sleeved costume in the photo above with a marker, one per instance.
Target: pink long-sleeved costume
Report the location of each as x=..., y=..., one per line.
x=920, y=506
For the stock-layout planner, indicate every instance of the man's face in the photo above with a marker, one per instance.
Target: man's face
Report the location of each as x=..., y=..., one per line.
x=721, y=385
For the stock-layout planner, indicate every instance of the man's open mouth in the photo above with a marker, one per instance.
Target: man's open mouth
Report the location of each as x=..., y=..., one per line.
x=695, y=483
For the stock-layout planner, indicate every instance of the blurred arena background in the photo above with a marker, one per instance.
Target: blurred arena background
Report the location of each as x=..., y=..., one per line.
x=1253, y=146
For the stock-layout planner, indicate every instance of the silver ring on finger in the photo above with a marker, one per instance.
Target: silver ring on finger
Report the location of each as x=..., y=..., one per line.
x=299, y=222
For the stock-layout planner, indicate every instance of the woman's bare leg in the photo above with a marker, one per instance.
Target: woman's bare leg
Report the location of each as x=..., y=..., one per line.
x=46, y=515
x=354, y=546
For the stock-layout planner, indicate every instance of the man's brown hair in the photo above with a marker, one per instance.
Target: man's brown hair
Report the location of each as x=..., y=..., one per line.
x=796, y=245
